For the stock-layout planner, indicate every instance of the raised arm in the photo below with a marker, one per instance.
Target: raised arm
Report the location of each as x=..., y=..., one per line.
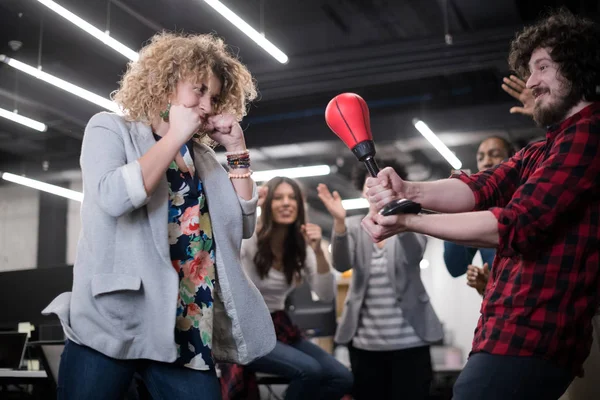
x=320, y=278
x=446, y=195
x=342, y=242
x=565, y=182
x=117, y=185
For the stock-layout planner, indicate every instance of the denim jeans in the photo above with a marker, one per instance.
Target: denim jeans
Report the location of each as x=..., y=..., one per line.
x=494, y=377
x=87, y=374
x=314, y=374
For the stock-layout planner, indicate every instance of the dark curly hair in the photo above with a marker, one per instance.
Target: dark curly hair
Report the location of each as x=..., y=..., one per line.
x=360, y=172
x=573, y=43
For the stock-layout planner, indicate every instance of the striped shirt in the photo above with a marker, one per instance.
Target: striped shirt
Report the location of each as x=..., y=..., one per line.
x=381, y=326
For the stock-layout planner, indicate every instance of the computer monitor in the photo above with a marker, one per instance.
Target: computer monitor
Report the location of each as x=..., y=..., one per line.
x=41, y=285
x=12, y=349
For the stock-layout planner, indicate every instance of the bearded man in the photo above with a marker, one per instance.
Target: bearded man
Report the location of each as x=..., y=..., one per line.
x=541, y=211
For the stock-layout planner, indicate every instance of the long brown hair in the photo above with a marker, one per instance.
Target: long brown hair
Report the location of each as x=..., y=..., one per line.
x=294, y=246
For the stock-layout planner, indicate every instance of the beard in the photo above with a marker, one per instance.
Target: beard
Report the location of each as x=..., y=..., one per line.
x=556, y=112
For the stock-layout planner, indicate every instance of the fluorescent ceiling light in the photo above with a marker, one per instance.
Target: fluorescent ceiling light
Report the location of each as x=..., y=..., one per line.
x=33, y=124
x=92, y=30
x=59, y=83
x=300, y=172
x=355, y=204
x=249, y=31
x=437, y=143
x=45, y=187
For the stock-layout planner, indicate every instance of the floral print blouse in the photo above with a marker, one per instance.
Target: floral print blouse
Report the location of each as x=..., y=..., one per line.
x=192, y=251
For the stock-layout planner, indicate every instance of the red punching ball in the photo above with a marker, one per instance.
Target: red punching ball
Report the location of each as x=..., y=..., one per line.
x=347, y=115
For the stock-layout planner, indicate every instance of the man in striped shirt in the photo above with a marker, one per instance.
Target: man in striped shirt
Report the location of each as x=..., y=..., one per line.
x=388, y=322
x=541, y=210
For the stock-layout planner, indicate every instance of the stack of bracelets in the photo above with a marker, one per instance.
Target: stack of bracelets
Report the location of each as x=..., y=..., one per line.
x=237, y=160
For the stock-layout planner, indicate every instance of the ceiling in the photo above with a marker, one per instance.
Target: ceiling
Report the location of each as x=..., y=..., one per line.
x=394, y=53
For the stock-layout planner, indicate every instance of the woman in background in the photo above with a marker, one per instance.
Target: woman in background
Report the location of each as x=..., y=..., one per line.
x=285, y=251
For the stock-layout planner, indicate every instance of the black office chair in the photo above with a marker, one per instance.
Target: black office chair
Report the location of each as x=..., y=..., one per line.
x=314, y=318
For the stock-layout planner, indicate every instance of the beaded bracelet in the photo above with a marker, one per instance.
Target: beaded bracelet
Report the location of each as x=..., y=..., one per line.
x=238, y=163
x=238, y=159
x=240, y=176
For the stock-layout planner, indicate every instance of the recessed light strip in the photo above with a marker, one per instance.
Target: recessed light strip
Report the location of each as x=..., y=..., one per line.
x=31, y=123
x=43, y=186
x=92, y=30
x=61, y=84
x=437, y=143
x=249, y=31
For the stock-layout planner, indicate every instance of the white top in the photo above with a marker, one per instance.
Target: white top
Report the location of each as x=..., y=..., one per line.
x=274, y=286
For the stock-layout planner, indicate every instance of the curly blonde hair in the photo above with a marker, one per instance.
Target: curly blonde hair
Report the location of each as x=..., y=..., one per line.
x=171, y=57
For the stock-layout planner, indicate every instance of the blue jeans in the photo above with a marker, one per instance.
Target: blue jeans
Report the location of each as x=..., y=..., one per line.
x=493, y=377
x=314, y=373
x=87, y=374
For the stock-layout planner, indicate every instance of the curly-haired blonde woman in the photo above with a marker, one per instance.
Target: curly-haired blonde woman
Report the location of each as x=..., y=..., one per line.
x=158, y=286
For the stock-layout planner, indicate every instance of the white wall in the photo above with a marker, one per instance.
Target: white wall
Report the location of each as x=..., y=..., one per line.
x=19, y=220
x=456, y=304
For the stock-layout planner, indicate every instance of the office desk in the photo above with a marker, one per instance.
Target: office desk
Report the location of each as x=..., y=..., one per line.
x=13, y=376
x=31, y=385
x=13, y=373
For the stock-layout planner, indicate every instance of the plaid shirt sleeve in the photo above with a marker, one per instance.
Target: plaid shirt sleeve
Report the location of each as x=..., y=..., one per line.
x=568, y=178
x=495, y=186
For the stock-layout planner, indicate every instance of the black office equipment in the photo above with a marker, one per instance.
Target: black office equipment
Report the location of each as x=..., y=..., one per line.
x=25, y=293
x=12, y=349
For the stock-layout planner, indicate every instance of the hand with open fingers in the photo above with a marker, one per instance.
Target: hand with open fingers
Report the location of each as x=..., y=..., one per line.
x=225, y=130
x=313, y=235
x=516, y=87
x=477, y=277
x=380, y=227
x=387, y=186
x=333, y=202
x=262, y=195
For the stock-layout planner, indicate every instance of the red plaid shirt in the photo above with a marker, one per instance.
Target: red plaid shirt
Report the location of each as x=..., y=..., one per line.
x=543, y=290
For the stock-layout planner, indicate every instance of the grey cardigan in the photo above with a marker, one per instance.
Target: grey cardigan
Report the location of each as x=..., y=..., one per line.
x=124, y=297
x=354, y=249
